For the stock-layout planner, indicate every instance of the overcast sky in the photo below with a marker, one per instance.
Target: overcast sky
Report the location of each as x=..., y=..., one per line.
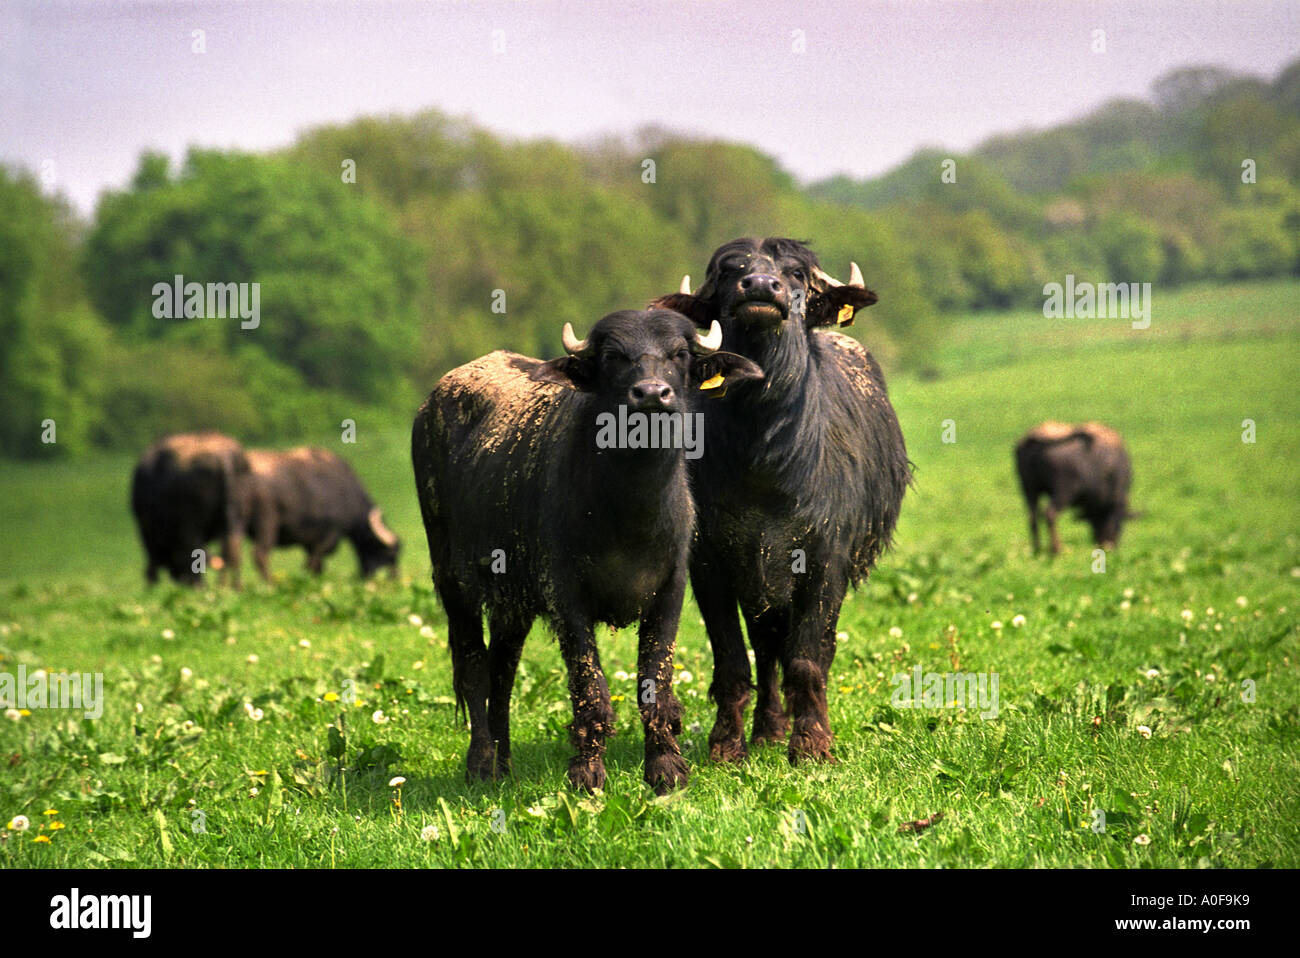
x=851, y=87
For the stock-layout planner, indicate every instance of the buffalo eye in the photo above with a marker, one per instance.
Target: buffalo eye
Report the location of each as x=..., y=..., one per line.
x=799, y=274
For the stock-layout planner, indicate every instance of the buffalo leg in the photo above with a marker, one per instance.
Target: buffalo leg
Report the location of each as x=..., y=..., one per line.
x=731, y=676
x=806, y=664
x=469, y=676
x=767, y=632
x=661, y=713
x=593, y=716
x=1050, y=514
x=508, y=634
x=1033, y=524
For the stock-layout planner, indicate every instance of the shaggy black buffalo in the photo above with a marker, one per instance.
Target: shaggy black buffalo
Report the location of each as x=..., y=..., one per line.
x=559, y=489
x=798, y=490
x=1085, y=467
x=188, y=490
x=312, y=498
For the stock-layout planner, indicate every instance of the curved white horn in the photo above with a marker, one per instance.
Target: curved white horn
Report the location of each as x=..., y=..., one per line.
x=826, y=277
x=711, y=340
x=381, y=531
x=572, y=344
x=855, y=275
x=686, y=285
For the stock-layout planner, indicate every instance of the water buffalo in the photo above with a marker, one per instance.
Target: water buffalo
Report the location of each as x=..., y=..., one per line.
x=559, y=489
x=797, y=492
x=187, y=490
x=1085, y=467
x=312, y=498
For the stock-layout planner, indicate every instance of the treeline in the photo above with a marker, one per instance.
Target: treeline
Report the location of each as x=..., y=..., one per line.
x=387, y=250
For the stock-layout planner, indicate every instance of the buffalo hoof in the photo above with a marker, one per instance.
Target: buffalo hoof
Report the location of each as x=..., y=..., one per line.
x=727, y=748
x=665, y=771
x=769, y=728
x=481, y=766
x=587, y=774
x=811, y=745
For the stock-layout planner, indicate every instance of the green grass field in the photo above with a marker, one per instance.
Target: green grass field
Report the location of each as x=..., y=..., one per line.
x=215, y=747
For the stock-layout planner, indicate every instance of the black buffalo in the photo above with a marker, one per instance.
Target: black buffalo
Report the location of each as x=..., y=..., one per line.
x=312, y=498
x=1085, y=467
x=798, y=490
x=188, y=490
x=530, y=511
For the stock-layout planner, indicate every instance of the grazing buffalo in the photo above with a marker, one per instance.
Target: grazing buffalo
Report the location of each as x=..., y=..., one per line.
x=312, y=498
x=187, y=490
x=797, y=492
x=1081, y=466
x=559, y=489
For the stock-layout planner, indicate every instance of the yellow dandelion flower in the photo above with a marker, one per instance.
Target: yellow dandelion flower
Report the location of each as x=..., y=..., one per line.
x=55, y=826
x=331, y=696
x=43, y=839
x=50, y=811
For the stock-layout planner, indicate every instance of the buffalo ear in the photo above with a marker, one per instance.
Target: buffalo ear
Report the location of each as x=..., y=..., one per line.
x=716, y=371
x=572, y=372
x=698, y=310
x=838, y=305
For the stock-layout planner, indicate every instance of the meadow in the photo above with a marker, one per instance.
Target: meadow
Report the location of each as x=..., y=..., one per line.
x=264, y=728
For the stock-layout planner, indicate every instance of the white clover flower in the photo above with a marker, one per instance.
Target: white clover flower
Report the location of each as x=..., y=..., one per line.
x=997, y=625
x=304, y=643
x=1144, y=731
x=1242, y=601
x=252, y=658
x=1129, y=593
x=429, y=833
x=418, y=665
x=378, y=717
x=621, y=676
x=415, y=620
x=139, y=709
x=396, y=781
x=168, y=634
x=1209, y=611
x=254, y=713
x=1126, y=605
x=1187, y=615
x=19, y=823
x=839, y=637
x=426, y=631
x=1018, y=621
x=187, y=673
x=1142, y=840
x=685, y=677
x=895, y=632
x=536, y=811
x=1152, y=673
x=13, y=715
x=253, y=792
x=1209, y=677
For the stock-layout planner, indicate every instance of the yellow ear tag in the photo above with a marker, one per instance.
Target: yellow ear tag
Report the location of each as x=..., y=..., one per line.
x=845, y=317
x=712, y=383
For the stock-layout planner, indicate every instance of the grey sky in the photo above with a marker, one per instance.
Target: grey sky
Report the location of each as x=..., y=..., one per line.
x=84, y=87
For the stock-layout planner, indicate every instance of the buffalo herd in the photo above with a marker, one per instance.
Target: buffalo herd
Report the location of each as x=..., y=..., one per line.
x=731, y=437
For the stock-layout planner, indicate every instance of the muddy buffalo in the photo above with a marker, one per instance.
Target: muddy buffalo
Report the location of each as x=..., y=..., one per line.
x=798, y=490
x=188, y=490
x=559, y=489
x=1084, y=467
x=310, y=497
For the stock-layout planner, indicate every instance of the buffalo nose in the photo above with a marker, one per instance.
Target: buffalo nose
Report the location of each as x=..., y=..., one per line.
x=650, y=392
x=761, y=283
